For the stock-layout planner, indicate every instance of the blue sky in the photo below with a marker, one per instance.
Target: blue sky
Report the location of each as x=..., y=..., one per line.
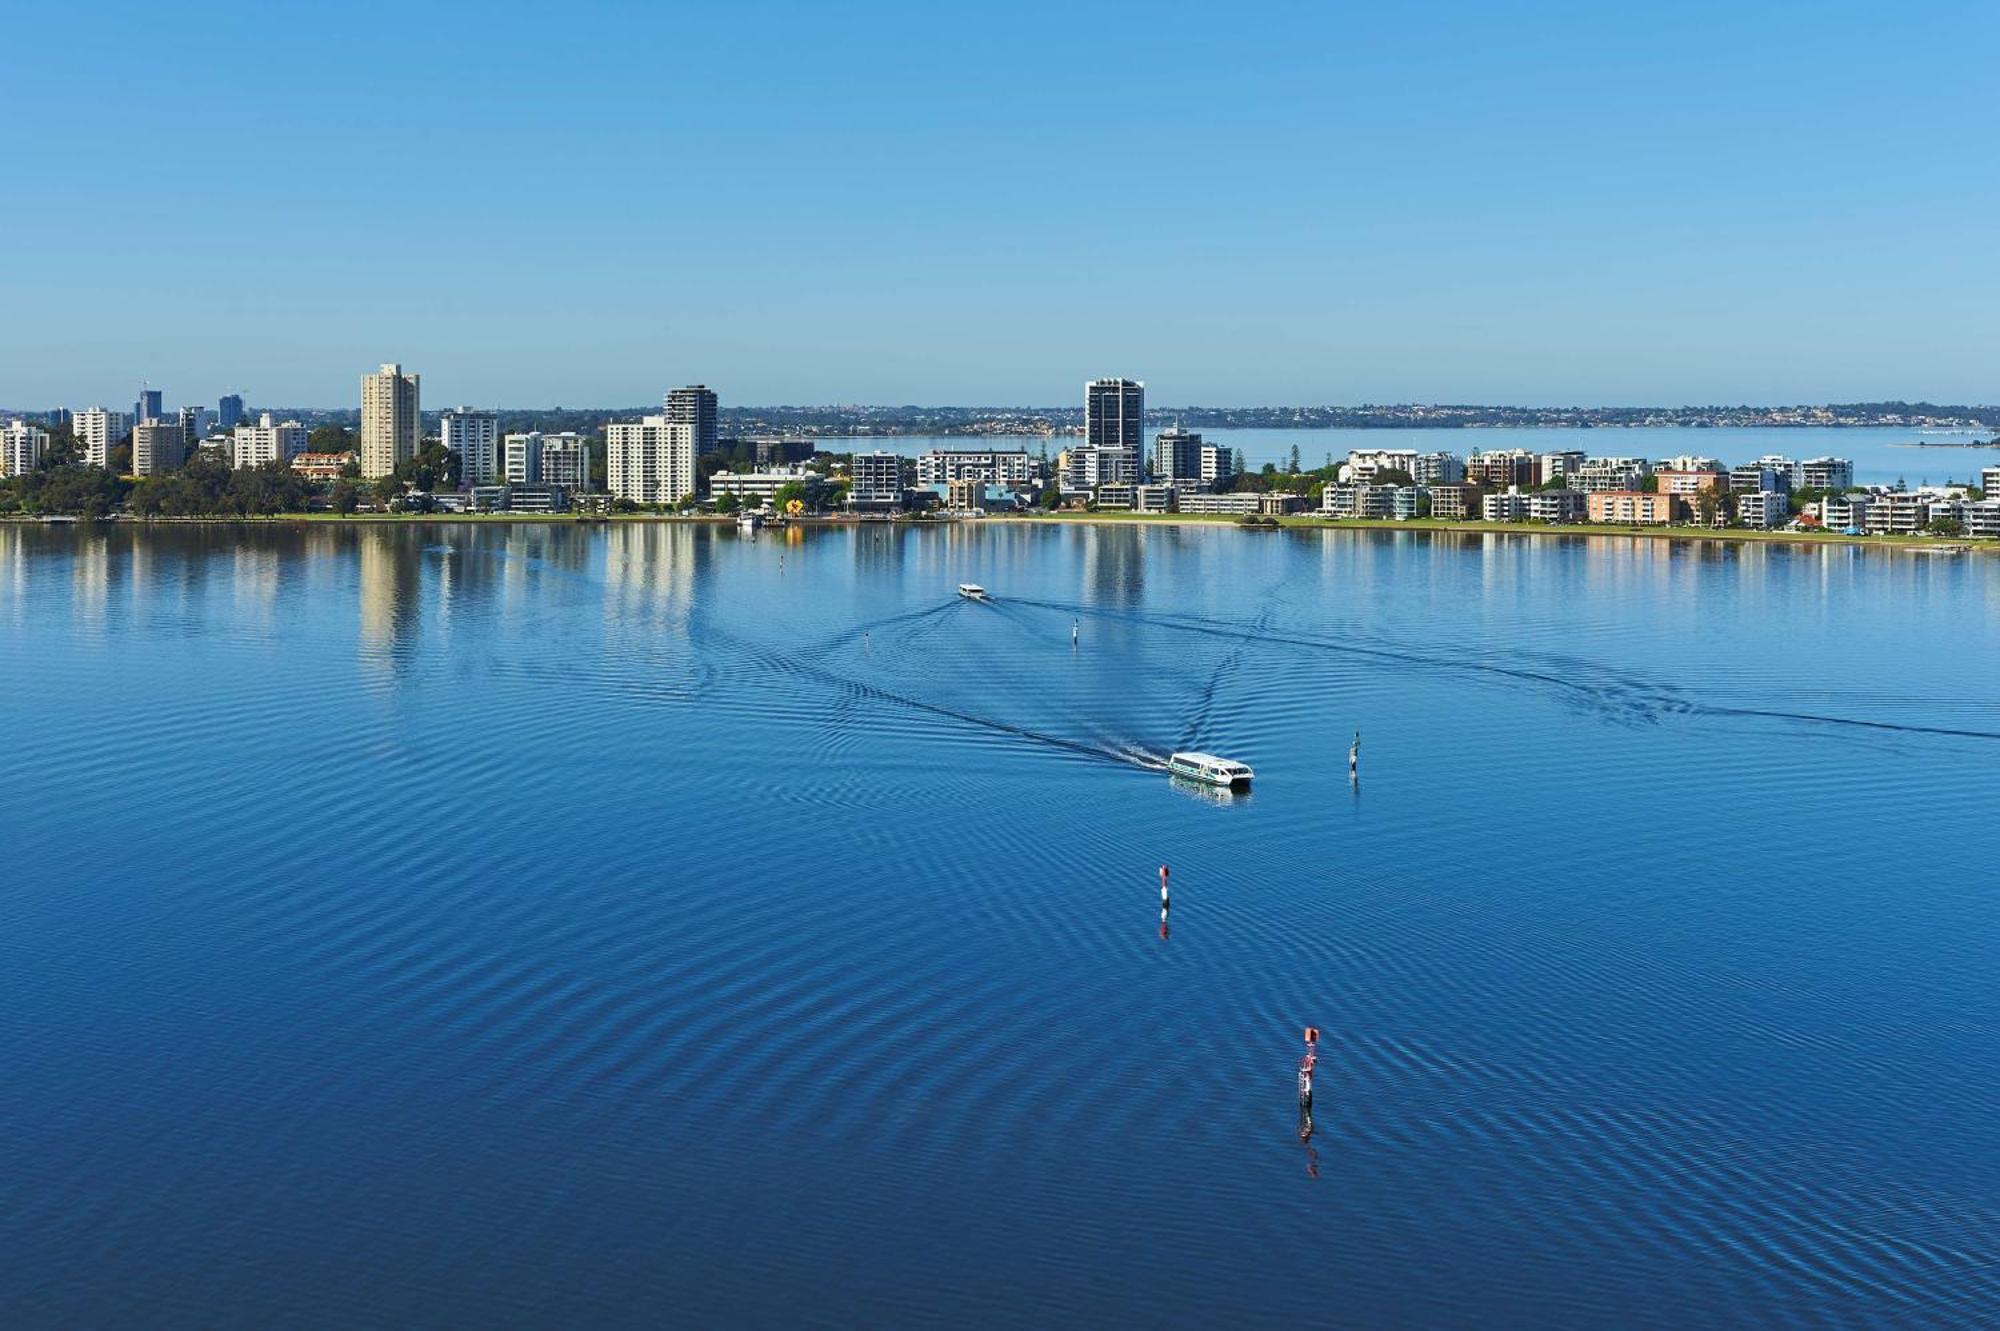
x=1340, y=202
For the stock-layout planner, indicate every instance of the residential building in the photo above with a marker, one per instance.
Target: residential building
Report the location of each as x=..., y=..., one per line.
x=1279, y=503
x=694, y=407
x=1896, y=513
x=522, y=455
x=760, y=488
x=1086, y=467
x=1843, y=512
x=1989, y=481
x=1238, y=504
x=98, y=432
x=475, y=436
x=1121, y=496
x=537, y=499
x=1750, y=477
x=1555, y=506
x=1686, y=483
x=1764, y=509
x=1406, y=502
x=1558, y=468
x=1502, y=468
x=157, y=446
x=1357, y=500
x=1114, y=416
x=1630, y=506
x=1438, y=469
x=190, y=420
x=875, y=481
x=1786, y=469
x=323, y=466
x=650, y=461
x=390, y=415
x=1509, y=505
x=1826, y=474
x=1218, y=464
x=229, y=412
x=1458, y=500
x=1691, y=462
x=21, y=448
x=1177, y=456
x=1982, y=518
x=1364, y=463
x=266, y=441
x=1154, y=498
x=1010, y=467
x=1610, y=474
x=566, y=460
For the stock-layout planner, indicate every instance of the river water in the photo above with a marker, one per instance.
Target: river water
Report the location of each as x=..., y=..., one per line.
x=583, y=925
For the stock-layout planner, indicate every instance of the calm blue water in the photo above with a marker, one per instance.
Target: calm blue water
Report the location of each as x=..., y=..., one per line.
x=578, y=926
x=1881, y=456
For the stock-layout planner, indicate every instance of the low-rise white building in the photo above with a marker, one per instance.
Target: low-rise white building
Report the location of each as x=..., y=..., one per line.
x=1982, y=518
x=999, y=466
x=1213, y=504
x=760, y=488
x=566, y=460
x=1764, y=509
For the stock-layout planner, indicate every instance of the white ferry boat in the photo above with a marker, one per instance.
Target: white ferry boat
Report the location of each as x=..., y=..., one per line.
x=972, y=591
x=1209, y=768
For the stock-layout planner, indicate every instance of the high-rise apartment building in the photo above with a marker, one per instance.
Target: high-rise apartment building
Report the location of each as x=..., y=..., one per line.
x=1177, y=456
x=694, y=406
x=21, y=448
x=229, y=412
x=566, y=460
x=1217, y=463
x=875, y=480
x=474, y=436
x=266, y=441
x=390, y=408
x=98, y=432
x=157, y=446
x=1114, y=416
x=523, y=452
x=650, y=461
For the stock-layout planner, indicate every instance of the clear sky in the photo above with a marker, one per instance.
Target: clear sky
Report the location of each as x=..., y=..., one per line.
x=1342, y=202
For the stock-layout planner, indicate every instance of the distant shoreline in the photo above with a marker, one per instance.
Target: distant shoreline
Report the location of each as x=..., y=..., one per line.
x=1297, y=522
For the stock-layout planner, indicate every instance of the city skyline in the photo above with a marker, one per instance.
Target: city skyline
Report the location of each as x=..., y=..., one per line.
x=1453, y=204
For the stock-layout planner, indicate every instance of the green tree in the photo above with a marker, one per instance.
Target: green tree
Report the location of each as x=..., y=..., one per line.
x=346, y=498
x=1649, y=484
x=1947, y=527
x=330, y=439
x=727, y=502
x=1295, y=459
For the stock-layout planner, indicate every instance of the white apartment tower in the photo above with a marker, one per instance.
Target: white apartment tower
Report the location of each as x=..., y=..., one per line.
x=21, y=448
x=650, y=461
x=1114, y=416
x=475, y=437
x=97, y=433
x=389, y=416
x=266, y=441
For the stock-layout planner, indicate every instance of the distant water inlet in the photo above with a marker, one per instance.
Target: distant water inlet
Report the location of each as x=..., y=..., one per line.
x=557, y=924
